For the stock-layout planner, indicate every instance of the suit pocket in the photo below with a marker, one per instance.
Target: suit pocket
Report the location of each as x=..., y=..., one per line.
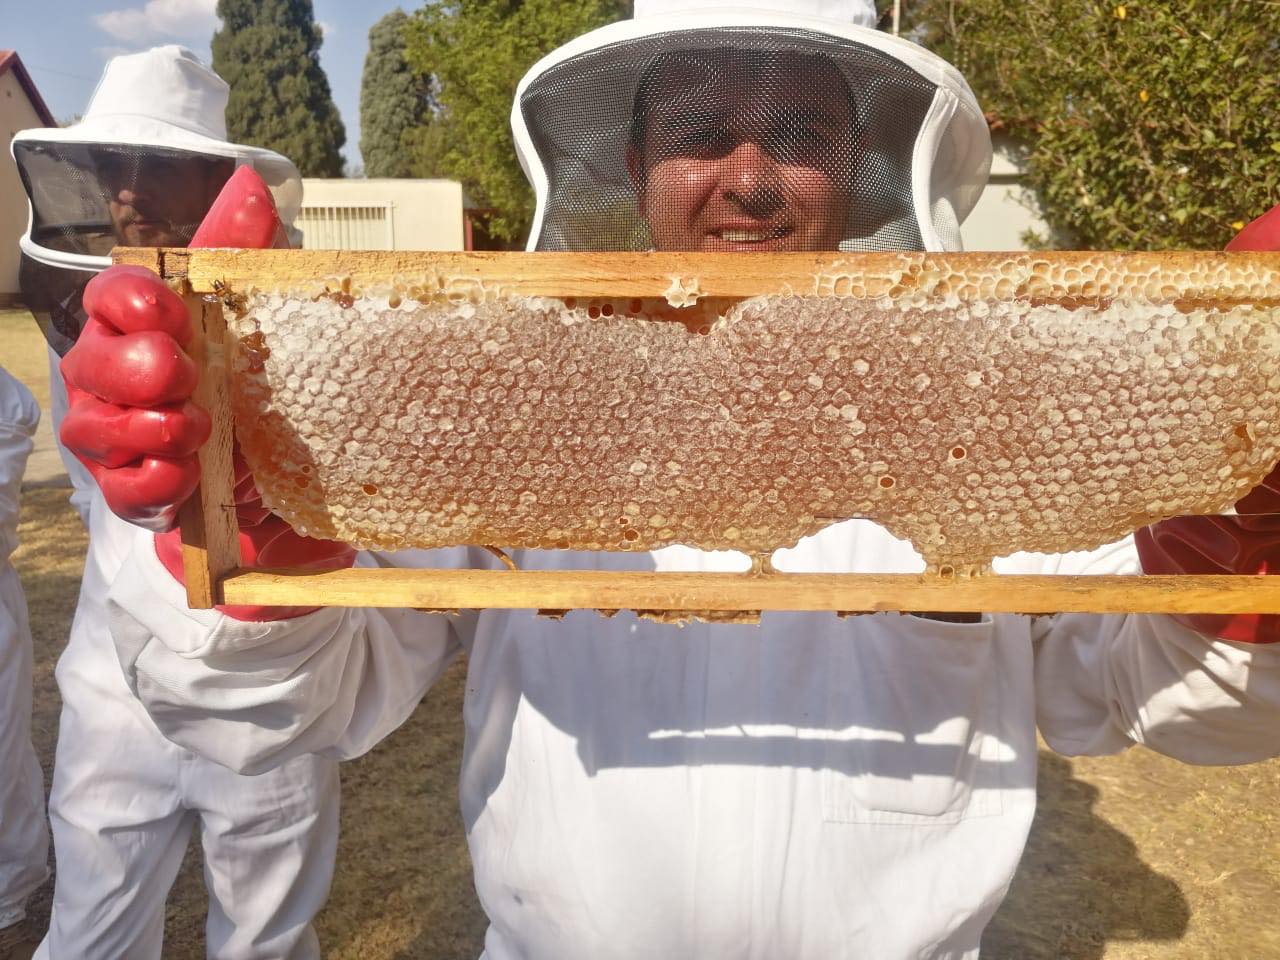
x=909, y=704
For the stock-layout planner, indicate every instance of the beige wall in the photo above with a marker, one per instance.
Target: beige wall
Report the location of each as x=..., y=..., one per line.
x=1002, y=215
x=382, y=214
x=16, y=113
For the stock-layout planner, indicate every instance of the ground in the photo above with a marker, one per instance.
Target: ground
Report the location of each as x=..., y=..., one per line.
x=1130, y=857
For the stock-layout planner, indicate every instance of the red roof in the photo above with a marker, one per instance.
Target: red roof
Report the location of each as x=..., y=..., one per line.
x=9, y=60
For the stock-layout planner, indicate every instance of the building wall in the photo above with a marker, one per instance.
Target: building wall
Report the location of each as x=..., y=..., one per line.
x=382, y=215
x=1003, y=214
x=16, y=113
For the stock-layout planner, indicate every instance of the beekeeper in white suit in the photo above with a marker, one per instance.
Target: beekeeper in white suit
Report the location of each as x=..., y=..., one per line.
x=807, y=788
x=24, y=838
x=141, y=169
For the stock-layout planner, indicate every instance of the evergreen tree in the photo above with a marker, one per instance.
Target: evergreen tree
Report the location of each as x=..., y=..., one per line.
x=269, y=52
x=392, y=99
x=477, y=50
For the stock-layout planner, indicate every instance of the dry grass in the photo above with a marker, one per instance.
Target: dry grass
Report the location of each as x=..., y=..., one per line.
x=1137, y=856
x=1130, y=858
x=22, y=353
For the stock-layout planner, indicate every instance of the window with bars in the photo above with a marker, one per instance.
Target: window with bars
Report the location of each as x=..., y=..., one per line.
x=346, y=226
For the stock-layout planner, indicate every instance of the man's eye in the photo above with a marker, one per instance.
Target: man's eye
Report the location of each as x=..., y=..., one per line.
x=803, y=133
x=797, y=141
x=701, y=137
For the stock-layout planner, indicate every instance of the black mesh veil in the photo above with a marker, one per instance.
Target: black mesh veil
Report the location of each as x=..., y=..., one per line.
x=52, y=294
x=630, y=134
x=87, y=198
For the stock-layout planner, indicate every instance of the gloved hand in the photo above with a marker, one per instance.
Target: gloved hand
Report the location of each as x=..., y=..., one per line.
x=1241, y=544
x=130, y=418
x=265, y=541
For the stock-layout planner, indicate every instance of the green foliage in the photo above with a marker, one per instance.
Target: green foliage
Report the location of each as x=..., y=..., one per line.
x=392, y=99
x=1148, y=125
x=269, y=52
x=477, y=51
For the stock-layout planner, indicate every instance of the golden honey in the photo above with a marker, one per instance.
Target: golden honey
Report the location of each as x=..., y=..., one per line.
x=974, y=415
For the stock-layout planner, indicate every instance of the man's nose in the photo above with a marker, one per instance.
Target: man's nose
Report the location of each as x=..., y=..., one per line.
x=752, y=180
x=130, y=195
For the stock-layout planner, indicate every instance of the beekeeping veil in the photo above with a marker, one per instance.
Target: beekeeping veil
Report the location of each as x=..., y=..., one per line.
x=912, y=163
x=140, y=169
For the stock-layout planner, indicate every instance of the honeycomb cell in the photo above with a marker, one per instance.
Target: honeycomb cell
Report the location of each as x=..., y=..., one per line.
x=1000, y=415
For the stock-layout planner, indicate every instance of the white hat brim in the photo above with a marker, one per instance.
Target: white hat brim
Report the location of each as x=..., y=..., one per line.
x=139, y=131
x=147, y=132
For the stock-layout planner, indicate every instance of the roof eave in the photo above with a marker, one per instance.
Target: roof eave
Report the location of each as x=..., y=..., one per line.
x=9, y=60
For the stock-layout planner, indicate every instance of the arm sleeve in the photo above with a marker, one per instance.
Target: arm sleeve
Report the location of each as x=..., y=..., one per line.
x=1104, y=683
x=83, y=485
x=251, y=696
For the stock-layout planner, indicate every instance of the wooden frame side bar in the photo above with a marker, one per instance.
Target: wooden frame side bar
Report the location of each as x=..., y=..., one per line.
x=210, y=534
x=744, y=592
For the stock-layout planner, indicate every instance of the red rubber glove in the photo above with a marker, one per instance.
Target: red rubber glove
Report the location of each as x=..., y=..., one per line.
x=1241, y=544
x=265, y=541
x=130, y=418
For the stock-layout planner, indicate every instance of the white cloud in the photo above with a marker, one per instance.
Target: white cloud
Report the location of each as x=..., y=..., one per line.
x=158, y=19
x=327, y=29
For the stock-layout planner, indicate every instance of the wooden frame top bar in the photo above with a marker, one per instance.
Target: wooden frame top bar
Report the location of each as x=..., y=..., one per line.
x=727, y=275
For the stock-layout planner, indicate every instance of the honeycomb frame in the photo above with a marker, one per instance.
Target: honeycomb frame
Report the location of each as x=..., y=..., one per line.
x=966, y=284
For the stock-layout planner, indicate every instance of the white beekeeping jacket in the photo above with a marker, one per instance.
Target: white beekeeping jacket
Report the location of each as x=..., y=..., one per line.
x=808, y=787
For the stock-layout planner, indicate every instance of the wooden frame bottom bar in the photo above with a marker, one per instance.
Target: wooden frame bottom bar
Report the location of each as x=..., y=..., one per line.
x=745, y=592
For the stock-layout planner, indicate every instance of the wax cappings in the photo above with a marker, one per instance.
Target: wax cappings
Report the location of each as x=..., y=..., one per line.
x=971, y=422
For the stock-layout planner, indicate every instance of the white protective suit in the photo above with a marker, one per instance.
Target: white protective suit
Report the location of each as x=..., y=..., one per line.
x=82, y=486
x=24, y=837
x=809, y=788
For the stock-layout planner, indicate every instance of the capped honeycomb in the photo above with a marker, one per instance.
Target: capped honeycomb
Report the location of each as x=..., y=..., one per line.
x=960, y=412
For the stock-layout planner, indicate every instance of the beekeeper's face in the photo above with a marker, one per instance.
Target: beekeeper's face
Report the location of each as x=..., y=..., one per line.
x=157, y=201
x=737, y=151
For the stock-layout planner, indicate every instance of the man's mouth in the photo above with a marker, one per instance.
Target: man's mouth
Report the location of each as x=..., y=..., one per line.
x=751, y=234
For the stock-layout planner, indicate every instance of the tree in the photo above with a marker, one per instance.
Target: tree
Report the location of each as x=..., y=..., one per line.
x=393, y=99
x=1148, y=125
x=477, y=50
x=269, y=52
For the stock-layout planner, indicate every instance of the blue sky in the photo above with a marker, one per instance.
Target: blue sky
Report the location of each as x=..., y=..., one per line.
x=65, y=43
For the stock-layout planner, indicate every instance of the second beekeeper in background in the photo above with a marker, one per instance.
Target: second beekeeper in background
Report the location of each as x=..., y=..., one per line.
x=141, y=169
x=810, y=787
